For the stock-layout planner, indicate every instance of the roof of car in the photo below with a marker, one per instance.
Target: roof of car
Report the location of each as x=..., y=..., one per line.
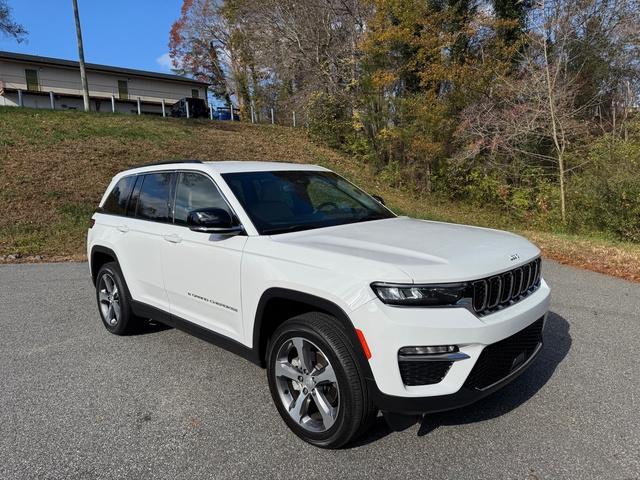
x=235, y=166
x=226, y=166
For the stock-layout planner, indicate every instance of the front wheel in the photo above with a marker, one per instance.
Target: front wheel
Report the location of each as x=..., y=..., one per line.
x=316, y=382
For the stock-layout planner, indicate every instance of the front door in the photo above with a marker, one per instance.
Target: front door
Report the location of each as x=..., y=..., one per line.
x=201, y=270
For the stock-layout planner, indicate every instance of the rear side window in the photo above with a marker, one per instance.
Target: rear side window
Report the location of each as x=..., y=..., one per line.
x=153, y=202
x=193, y=192
x=116, y=202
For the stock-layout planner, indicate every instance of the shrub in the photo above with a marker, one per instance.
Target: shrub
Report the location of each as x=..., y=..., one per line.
x=605, y=196
x=328, y=120
x=530, y=196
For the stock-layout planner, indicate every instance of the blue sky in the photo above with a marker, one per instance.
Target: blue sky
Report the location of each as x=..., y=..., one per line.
x=123, y=33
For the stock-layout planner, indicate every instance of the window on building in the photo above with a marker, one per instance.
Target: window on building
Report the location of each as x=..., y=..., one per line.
x=153, y=203
x=33, y=85
x=195, y=93
x=123, y=90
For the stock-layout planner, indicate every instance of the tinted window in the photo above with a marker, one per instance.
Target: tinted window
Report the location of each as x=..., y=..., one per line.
x=153, y=203
x=196, y=191
x=116, y=202
x=287, y=201
x=133, y=201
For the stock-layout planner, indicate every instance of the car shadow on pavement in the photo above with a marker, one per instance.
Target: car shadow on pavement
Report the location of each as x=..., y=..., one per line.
x=557, y=343
x=150, y=326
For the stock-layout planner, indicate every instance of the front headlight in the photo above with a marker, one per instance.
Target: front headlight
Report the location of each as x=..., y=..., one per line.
x=422, y=295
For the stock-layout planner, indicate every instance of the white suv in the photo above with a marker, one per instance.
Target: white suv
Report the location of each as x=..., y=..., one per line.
x=350, y=308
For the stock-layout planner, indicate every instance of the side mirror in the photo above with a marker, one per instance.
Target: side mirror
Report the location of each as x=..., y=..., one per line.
x=379, y=199
x=212, y=220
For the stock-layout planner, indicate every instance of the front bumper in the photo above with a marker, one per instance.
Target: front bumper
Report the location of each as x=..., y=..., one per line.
x=440, y=403
x=387, y=329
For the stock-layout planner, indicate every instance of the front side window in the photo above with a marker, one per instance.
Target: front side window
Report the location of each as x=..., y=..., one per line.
x=195, y=93
x=153, y=202
x=33, y=85
x=116, y=202
x=287, y=201
x=195, y=191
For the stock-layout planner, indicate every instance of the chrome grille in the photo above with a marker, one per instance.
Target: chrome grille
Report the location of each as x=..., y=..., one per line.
x=493, y=296
x=480, y=295
x=507, y=287
x=493, y=293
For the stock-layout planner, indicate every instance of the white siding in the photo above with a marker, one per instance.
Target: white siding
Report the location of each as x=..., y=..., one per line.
x=66, y=81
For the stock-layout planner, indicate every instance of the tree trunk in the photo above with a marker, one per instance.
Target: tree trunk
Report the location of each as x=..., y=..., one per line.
x=557, y=141
x=563, y=208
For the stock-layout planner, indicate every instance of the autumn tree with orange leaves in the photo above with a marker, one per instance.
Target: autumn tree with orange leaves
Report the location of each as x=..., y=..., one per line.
x=424, y=63
x=198, y=46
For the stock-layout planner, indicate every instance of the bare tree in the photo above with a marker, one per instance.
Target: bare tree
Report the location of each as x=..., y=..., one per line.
x=8, y=26
x=299, y=48
x=539, y=114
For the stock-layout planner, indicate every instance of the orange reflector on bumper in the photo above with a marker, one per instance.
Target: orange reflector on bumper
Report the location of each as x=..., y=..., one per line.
x=363, y=342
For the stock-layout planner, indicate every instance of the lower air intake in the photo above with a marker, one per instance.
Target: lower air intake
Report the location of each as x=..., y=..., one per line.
x=500, y=359
x=423, y=372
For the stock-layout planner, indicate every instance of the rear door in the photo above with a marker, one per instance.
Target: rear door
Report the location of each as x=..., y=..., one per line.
x=143, y=232
x=201, y=270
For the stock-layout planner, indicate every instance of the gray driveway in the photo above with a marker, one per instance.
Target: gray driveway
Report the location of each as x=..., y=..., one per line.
x=76, y=402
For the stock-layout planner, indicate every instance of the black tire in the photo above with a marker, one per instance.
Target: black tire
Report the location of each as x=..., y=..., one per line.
x=126, y=322
x=355, y=412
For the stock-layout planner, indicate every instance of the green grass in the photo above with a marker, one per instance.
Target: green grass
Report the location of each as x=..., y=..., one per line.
x=46, y=127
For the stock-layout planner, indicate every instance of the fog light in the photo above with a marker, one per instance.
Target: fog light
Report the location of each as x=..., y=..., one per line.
x=437, y=350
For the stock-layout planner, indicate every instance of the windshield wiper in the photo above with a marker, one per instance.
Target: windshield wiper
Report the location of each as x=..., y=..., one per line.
x=367, y=218
x=287, y=229
x=307, y=226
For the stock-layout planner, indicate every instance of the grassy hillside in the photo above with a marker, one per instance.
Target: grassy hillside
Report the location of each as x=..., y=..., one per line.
x=54, y=166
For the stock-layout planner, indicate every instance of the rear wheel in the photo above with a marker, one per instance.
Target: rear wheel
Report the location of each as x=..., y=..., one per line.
x=316, y=382
x=113, y=302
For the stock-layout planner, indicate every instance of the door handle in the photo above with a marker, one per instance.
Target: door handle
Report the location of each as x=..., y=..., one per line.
x=123, y=228
x=173, y=238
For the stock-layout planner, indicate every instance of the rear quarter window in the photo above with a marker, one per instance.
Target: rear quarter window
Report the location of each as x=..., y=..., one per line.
x=116, y=202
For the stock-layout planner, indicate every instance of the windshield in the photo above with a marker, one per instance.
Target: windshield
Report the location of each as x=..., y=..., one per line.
x=288, y=201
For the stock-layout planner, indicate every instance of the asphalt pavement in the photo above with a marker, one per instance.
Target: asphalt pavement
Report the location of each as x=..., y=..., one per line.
x=77, y=402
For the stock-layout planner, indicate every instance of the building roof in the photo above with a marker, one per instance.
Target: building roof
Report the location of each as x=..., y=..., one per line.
x=93, y=67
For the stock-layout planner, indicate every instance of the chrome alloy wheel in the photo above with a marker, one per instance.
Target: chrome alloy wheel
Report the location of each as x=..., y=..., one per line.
x=307, y=385
x=109, y=298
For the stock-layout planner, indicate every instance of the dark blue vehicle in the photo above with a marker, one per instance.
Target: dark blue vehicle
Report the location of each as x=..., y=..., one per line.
x=224, y=113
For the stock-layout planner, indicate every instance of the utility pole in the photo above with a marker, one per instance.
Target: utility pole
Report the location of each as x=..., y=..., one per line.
x=83, y=72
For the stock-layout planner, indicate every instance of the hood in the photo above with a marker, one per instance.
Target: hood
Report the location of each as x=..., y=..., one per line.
x=425, y=251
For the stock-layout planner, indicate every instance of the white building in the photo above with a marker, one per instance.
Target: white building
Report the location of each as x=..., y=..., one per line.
x=43, y=82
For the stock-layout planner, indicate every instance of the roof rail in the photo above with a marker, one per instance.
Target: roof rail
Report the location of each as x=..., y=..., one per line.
x=167, y=162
